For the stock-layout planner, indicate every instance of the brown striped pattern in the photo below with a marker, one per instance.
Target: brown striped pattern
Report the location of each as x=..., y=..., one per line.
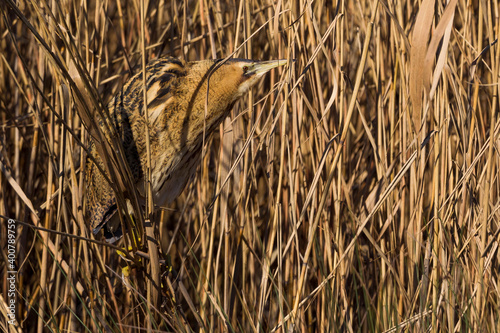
x=176, y=93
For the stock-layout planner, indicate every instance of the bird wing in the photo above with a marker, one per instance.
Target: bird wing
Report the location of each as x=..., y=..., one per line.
x=126, y=113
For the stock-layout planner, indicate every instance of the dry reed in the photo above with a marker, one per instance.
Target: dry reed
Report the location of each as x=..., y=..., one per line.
x=354, y=190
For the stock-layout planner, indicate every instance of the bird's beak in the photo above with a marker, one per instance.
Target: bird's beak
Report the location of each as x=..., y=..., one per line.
x=261, y=67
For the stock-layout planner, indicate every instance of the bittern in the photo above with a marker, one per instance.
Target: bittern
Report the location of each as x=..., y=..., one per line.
x=181, y=111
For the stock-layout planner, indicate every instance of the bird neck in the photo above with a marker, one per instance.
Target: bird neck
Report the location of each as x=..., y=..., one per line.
x=208, y=102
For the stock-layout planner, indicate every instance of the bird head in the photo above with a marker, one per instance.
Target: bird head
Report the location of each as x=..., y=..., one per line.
x=229, y=80
x=248, y=72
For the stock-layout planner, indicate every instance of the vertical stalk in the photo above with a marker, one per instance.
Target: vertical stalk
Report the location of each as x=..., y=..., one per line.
x=335, y=161
x=488, y=183
x=436, y=221
x=48, y=214
x=153, y=284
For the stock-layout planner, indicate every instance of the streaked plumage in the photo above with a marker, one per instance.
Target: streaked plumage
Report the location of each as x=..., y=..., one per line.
x=176, y=93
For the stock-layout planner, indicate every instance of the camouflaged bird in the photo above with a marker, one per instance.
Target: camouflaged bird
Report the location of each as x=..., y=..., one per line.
x=176, y=97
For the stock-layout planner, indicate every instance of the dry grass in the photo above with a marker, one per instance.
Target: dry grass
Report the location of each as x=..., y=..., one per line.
x=354, y=190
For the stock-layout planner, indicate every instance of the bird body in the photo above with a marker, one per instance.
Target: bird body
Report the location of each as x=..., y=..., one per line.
x=177, y=93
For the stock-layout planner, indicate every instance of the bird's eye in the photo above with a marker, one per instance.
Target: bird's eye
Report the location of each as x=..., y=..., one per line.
x=245, y=69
